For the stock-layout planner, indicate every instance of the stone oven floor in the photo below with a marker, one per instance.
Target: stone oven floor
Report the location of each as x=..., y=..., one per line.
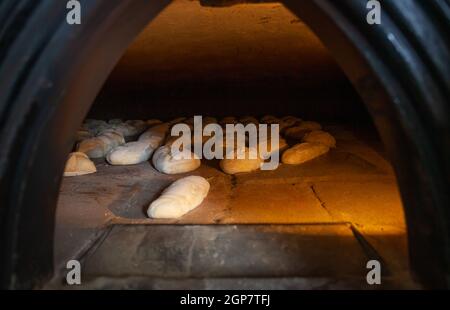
x=351, y=191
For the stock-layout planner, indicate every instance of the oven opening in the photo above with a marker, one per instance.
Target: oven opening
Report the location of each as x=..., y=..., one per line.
x=320, y=219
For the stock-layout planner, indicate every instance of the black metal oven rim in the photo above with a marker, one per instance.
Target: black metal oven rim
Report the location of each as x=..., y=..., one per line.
x=50, y=73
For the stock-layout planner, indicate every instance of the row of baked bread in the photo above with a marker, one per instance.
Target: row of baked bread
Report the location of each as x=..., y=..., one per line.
x=98, y=139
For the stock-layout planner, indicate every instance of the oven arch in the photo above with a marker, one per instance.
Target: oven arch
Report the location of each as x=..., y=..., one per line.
x=49, y=78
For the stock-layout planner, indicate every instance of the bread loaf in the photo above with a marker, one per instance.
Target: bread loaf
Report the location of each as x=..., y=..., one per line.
x=99, y=146
x=236, y=165
x=179, y=198
x=303, y=152
x=155, y=135
x=78, y=164
x=130, y=153
x=165, y=162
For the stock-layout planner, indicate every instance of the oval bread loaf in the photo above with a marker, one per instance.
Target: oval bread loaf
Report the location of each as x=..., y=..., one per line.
x=179, y=198
x=101, y=145
x=303, y=152
x=236, y=165
x=112, y=138
x=93, y=148
x=130, y=153
x=155, y=135
x=164, y=162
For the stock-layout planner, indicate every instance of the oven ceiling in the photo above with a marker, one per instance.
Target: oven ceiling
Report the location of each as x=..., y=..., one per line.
x=246, y=41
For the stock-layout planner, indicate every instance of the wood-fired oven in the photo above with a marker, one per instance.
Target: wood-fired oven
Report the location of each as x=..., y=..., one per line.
x=376, y=195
